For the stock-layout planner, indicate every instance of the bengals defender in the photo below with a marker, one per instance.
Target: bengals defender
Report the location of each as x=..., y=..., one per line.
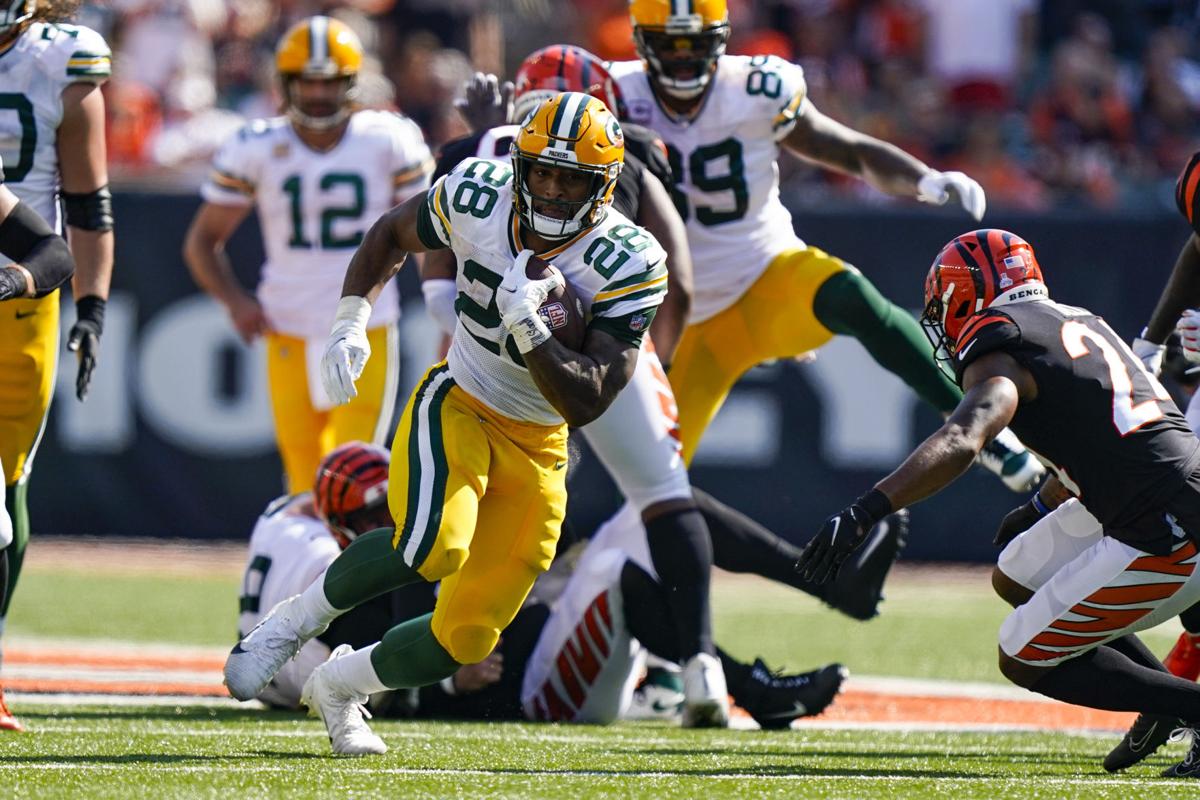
x=317, y=175
x=52, y=146
x=1085, y=403
x=724, y=119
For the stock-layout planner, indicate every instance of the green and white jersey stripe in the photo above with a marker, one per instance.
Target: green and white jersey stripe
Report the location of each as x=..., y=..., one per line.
x=427, y=468
x=616, y=269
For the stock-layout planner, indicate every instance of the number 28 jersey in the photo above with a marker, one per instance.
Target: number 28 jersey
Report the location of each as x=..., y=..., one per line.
x=43, y=61
x=617, y=270
x=1105, y=424
x=314, y=207
x=724, y=164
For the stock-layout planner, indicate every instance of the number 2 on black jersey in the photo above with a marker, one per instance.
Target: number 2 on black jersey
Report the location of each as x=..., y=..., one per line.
x=1128, y=414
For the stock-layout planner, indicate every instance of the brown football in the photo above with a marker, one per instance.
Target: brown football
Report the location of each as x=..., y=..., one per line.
x=562, y=312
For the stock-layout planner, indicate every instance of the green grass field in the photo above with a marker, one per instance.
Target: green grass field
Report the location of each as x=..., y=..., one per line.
x=933, y=627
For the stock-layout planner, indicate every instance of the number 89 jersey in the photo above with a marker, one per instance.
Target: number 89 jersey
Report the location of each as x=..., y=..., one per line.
x=1104, y=422
x=314, y=207
x=617, y=269
x=34, y=71
x=723, y=161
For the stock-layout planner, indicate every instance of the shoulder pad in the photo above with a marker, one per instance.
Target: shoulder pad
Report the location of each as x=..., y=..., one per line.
x=986, y=332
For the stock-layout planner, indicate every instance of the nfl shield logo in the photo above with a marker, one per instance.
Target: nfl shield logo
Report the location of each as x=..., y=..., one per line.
x=1005, y=281
x=637, y=322
x=554, y=315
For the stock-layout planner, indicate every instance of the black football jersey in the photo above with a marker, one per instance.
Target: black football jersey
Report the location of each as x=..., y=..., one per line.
x=1187, y=192
x=643, y=150
x=1108, y=427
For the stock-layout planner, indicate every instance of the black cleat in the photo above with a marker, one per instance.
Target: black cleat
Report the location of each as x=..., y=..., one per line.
x=1149, y=732
x=1190, y=766
x=774, y=699
x=858, y=587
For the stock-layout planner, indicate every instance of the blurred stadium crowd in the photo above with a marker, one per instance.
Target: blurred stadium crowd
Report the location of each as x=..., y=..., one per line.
x=1047, y=103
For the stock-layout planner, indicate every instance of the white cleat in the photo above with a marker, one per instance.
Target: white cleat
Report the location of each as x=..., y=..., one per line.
x=1008, y=459
x=261, y=653
x=705, y=698
x=341, y=709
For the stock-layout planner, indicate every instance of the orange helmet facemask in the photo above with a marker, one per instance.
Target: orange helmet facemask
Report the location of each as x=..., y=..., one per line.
x=977, y=270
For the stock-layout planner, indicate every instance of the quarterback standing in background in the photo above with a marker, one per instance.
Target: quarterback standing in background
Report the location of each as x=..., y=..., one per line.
x=760, y=292
x=52, y=135
x=477, y=488
x=317, y=175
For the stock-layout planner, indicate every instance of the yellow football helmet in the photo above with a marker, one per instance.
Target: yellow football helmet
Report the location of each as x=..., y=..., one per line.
x=572, y=131
x=322, y=48
x=680, y=41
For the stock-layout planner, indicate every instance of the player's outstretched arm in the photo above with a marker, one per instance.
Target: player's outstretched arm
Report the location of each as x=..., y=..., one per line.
x=657, y=214
x=1181, y=292
x=831, y=144
x=581, y=386
x=41, y=260
x=993, y=386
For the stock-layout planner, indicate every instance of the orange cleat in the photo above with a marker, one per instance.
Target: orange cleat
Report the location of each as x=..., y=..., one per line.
x=1184, y=658
x=8, y=722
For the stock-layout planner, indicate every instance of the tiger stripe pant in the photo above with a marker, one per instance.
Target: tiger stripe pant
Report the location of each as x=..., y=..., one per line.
x=1089, y=588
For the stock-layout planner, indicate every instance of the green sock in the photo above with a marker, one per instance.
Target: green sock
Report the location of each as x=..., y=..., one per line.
x=14, y=501
x=410, y=656
x=367, y=568
x=849, y=304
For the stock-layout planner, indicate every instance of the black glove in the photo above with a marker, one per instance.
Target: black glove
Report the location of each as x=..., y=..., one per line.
x=12, y=284
x=84, y=339
x=1018, y=521
x=840, y=536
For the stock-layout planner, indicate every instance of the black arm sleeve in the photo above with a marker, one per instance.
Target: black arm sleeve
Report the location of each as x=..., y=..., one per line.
x=454, y=152
x=27, y=240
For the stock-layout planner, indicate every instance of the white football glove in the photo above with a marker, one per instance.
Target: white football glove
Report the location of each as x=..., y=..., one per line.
x=1151, y=354
x=347, y=350
x=1189, y=334
x=519, y=298
x=937, y=188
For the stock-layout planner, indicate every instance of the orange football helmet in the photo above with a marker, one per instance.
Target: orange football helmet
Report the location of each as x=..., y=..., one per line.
x=975, y=271
x=350, y=494
x=563, y=68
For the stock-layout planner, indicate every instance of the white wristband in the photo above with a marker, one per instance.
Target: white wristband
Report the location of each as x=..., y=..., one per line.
x=439, y=294
x=529, y=332
x=352, y=312
x=448, y=686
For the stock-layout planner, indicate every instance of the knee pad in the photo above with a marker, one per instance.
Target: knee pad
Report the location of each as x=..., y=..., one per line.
x=440, y=564
x=469, y=644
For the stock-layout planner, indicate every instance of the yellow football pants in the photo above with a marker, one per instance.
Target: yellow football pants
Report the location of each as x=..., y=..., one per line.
x=773, y=319
x=304, y=434
x=28, y=363
x=478, y=501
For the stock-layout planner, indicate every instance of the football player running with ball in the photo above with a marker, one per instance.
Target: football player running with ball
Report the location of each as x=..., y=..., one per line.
x=1073, y=390
x=317, y=175
x=760, y=292
x=478, y=483
x=52, y=145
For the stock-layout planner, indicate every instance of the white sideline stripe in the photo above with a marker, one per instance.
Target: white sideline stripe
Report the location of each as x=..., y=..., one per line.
x=925, y=687
x=369, y=767
x=115, y=675
x=94, y=699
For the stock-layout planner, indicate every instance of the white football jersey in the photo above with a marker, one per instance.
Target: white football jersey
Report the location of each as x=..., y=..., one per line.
x=288, y=550
x=724, y=164
x=314, y=208
x=43, y=61
x=617, y=270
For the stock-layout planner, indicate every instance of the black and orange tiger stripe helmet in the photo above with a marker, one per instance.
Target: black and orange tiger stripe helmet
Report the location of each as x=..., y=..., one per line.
x=563, y=68
x=1187, y=192
x=350, y=494
x=972, y=273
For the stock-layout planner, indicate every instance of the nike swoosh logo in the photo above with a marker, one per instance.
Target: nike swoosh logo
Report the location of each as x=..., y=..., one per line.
x=798, y=709
x=660, y=706
x=1135, y=746
x=25, y=314
x=837, y=523
x=963, y=353
x=559, y=464
x=237, y=648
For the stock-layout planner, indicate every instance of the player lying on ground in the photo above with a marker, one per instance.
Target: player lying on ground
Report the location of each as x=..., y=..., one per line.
x=478, y=489
x=546, y=666
x=1081, y=399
